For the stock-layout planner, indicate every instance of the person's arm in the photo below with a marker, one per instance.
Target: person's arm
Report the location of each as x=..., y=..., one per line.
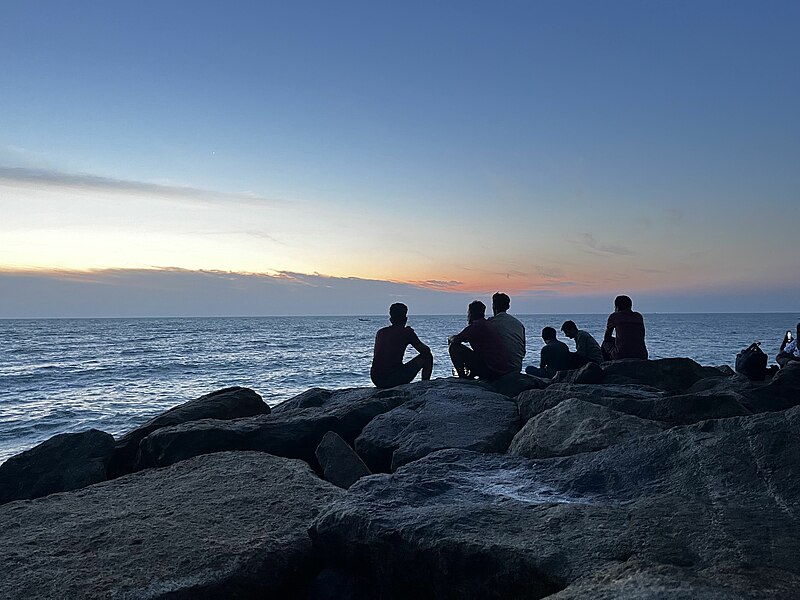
x=785, y=341
x=458, y=338
x=417, y=344
x=543, y=358
x=609, y=335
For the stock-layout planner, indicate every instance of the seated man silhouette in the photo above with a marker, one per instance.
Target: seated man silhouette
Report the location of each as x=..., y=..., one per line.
x=391, y=342
x=511, y=331
x=553, y=357
x=488, y=358
x=628, y=325
x=586, y=347
x=789, y=352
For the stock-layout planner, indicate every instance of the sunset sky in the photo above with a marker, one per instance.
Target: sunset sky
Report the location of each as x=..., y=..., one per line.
x=166, y=158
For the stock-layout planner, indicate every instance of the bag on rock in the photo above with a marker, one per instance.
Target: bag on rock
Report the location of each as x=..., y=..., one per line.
x=752, y=362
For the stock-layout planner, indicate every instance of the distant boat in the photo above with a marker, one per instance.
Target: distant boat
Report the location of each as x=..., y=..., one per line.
x=360, y=319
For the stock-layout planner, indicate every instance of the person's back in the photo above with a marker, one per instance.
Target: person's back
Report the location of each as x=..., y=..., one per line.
x=390, y=348
x=391, y=342
x=487, y=343
x=555, y=356
x=628, y=327
x=487, y=358
x=587, y=346
x=510, y=329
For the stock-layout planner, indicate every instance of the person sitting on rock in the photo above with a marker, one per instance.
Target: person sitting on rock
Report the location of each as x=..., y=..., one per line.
x=554, y=356
x=586, y=347
x=789, y=352
x=488, y=357
x=629, y=328
x=388, y=369
x=511, y=331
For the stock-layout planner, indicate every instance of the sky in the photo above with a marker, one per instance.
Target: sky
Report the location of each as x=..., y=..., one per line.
x=259, y=158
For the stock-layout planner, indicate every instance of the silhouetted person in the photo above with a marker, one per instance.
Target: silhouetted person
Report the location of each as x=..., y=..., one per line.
x=554, y=356
x=488, y=358
x=391, y=342
x=586, y=347
x=511, y=331
x=789, y=352
x=628, y=325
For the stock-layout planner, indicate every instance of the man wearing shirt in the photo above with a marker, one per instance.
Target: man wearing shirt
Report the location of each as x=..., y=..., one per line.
x=554, y=356
x=488, y=358
x=586, y=347
x=511, y=331
x=628, y=325
x=391, y=342
x=789, y=352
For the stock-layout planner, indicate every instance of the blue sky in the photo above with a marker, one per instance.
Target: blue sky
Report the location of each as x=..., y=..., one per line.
x=563, y=151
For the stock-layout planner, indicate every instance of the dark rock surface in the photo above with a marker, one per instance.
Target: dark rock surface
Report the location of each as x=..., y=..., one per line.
x=575, y=426
x=669, y=374
x=589, y=373
x=514, y=384
x=710, y=510
x=64, y=462
x=448, y=415
x=227, y=403
x=340, y=463
x=226, y=525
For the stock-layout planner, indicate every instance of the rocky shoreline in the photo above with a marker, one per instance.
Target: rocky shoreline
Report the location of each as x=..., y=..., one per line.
x=634, y=479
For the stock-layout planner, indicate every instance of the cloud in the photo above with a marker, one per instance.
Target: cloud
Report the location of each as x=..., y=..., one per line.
x=57, y=180
x=589, y=241
x=438, y=284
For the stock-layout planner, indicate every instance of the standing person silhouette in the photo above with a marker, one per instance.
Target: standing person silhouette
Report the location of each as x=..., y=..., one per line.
x=388, y=369
x=629, y=328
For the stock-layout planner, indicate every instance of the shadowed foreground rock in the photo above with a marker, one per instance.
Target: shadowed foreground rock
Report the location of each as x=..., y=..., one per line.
x=443, y=416
x=219, y=526
x=340, y=464
x=669, y=374
x=68, y=461
x=711, y=508
x=227, y=403
x=575, y=426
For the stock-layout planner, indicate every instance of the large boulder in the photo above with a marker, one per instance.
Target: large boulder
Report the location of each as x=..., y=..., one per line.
x=575, y=426
x=227, y=403
x=340, y=464
x=714, y=505
x=669, y=374
x=443, y=416
x=230, y=525
x=514, y=384
x=294, y=429
x=589, y=373
x=67, y=461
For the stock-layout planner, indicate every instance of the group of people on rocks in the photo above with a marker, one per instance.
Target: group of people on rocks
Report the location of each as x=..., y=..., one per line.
x=497, y=345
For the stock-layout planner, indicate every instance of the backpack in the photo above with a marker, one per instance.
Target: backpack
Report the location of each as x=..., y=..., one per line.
x=752, y=362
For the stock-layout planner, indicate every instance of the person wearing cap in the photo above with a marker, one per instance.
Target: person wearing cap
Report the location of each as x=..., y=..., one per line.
x=511, y=331
x=388, y=369
x=586, y=347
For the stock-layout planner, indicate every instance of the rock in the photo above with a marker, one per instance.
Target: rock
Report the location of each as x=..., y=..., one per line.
x=712, y=505
x=669, y=374
x=227, y=403
x=67, y=461
x=226, y=525
x=448, y=415
x=588, y=373
x=514, y=384
x=575, y=426
x=294, y=429
x=624, y=398
x=340, y=464
x=779, y=393
x=639, y=401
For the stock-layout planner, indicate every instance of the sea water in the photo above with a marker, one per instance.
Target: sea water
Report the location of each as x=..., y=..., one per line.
x=67, y=375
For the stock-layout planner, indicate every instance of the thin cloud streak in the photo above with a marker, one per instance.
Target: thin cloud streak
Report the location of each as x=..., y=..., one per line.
x=589, y=241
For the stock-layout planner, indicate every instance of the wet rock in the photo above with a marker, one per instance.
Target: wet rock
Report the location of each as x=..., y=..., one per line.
x=225, y=525
x=589, y=373
x=669, y=374
x=443, y=416
x=715, y=503
x=67, y=461
x=227, y=403
x=340, y=464
x=575, y=426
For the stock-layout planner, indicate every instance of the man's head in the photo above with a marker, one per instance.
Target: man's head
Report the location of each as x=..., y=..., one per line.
x=548, y=333
x=476, y=310
x=570, y=329
x=398, y=313
x=623, y=303
x=500, y=302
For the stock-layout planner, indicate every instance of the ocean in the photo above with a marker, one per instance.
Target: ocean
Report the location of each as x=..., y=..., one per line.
x=67, y=375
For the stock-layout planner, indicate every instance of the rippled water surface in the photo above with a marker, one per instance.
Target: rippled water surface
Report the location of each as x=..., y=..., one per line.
x=62, y=375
